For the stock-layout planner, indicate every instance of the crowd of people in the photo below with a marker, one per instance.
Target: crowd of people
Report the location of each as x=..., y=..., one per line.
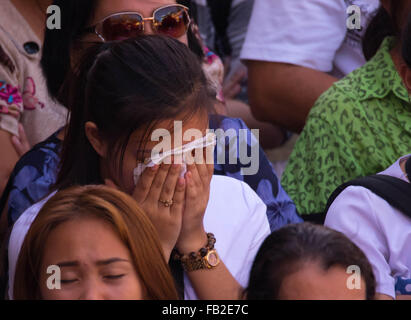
x=123, y=172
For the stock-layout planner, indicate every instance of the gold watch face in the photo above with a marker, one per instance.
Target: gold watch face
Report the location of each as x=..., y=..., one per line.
x=212, y=259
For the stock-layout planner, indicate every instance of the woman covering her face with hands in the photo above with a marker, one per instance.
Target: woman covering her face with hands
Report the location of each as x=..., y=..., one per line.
x=120, y=94
x=86, y=22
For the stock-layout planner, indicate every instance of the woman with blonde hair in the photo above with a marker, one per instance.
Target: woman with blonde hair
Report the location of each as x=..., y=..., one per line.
x=102, y=245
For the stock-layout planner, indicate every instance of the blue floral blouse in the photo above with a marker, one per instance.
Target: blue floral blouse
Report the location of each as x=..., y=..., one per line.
x=36, y=172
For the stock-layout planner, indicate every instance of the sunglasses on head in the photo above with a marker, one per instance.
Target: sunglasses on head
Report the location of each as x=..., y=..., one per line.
x=171, y=20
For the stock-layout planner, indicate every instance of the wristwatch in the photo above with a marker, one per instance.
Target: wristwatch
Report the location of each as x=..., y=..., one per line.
x=210, y=261
x=205, y=259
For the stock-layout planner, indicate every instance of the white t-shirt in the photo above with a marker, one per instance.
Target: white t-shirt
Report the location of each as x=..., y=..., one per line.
x=381, y=231
x=308, y=33
x=235, y=214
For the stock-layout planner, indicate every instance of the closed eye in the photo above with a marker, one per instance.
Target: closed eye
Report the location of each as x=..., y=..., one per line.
x=114, y=277
x=68, y=281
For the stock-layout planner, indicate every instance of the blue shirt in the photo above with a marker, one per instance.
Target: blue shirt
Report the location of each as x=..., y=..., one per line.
x=36, y=172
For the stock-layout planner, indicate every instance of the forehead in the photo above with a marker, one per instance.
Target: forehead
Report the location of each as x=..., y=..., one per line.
x=311, y=281
x=83, y=240
x=145, y=7
x=174, y=127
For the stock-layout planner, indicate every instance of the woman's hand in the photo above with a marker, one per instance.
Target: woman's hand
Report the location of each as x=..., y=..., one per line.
x=21, y=143
x=156, y=186
x=217, y=283
x=193, y=236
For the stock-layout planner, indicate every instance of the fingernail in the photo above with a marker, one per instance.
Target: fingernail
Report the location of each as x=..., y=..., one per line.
x=154, y=168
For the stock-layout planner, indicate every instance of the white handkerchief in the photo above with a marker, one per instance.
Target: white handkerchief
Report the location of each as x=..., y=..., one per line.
x=207, y=141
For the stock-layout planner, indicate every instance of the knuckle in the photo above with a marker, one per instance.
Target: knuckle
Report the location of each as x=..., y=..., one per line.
x=167, y=189
x=157, y=184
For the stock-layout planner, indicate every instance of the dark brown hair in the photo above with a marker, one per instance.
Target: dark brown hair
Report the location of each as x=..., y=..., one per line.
x=126, y=86
x=284, y=251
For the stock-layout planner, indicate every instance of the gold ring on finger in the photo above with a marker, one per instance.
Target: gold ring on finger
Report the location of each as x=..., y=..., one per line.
x=167, y=203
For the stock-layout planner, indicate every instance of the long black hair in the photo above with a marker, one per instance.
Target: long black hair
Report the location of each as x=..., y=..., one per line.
x=284, y=251
x=382, y=25
x=58, y=44
x=122, y=87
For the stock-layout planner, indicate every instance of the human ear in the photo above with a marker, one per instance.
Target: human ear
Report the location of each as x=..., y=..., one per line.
x=93, y=136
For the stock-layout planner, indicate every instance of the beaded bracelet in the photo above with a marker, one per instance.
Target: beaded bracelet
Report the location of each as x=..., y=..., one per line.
x=211, y=240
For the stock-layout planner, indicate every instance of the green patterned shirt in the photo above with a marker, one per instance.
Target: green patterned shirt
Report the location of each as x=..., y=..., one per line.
x=359, y=127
